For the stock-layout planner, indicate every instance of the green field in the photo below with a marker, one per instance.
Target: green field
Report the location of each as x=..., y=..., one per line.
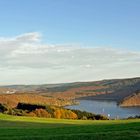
x=29, y=128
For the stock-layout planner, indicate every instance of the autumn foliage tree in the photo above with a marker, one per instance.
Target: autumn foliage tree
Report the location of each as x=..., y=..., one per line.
x=64, y=114
x=42, y=113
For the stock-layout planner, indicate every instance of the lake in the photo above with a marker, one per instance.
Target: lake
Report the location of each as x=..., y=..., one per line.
x=108, y=108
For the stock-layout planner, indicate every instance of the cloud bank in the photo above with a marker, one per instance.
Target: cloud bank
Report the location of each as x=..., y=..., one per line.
x=24, y=59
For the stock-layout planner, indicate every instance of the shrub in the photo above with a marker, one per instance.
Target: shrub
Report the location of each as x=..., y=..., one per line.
x=64, y=114
x=42, y=113
x=87, y=115
x=3, y=108
x=101, y=117
x=30, y=107
x=31, y=114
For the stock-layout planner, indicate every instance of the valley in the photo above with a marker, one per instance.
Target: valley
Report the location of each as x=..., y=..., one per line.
x=114, y=89
x=123, y=92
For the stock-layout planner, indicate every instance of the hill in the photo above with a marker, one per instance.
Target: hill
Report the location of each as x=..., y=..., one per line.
x=133, y=100
x=29, y=128
x=114, y=89
x=12, y=100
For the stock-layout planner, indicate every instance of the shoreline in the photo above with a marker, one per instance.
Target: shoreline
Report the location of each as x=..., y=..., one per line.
x=118, y=103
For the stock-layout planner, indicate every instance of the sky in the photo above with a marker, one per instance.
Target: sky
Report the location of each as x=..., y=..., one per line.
x=56, y=41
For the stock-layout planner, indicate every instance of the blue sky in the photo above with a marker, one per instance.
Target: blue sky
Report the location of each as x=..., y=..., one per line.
x=89, y=22
x=50, y=41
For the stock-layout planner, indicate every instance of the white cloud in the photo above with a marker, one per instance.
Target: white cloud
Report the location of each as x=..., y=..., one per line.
x=29, y=37
x=25, y=59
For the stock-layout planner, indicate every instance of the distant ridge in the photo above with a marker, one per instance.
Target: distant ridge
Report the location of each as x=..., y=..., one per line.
x=113, y=89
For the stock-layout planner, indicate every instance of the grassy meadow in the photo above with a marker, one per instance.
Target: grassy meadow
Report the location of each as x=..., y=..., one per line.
x=32, y=128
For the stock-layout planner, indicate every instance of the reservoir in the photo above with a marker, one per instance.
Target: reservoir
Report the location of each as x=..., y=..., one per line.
x=108, y=108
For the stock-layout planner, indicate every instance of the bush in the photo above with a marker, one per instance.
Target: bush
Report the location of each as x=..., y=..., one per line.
x=3, y=108
x=30, y=107
x=50, y=110
x=135, y=117
x=17, y=112
x=42, y=113
x=87, y=115
x=101, y=117
x=64, y=114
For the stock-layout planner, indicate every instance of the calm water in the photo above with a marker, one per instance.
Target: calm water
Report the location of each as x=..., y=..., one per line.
x=108, y=108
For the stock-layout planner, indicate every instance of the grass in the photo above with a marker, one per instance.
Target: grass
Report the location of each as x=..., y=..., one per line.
x=31, y=128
